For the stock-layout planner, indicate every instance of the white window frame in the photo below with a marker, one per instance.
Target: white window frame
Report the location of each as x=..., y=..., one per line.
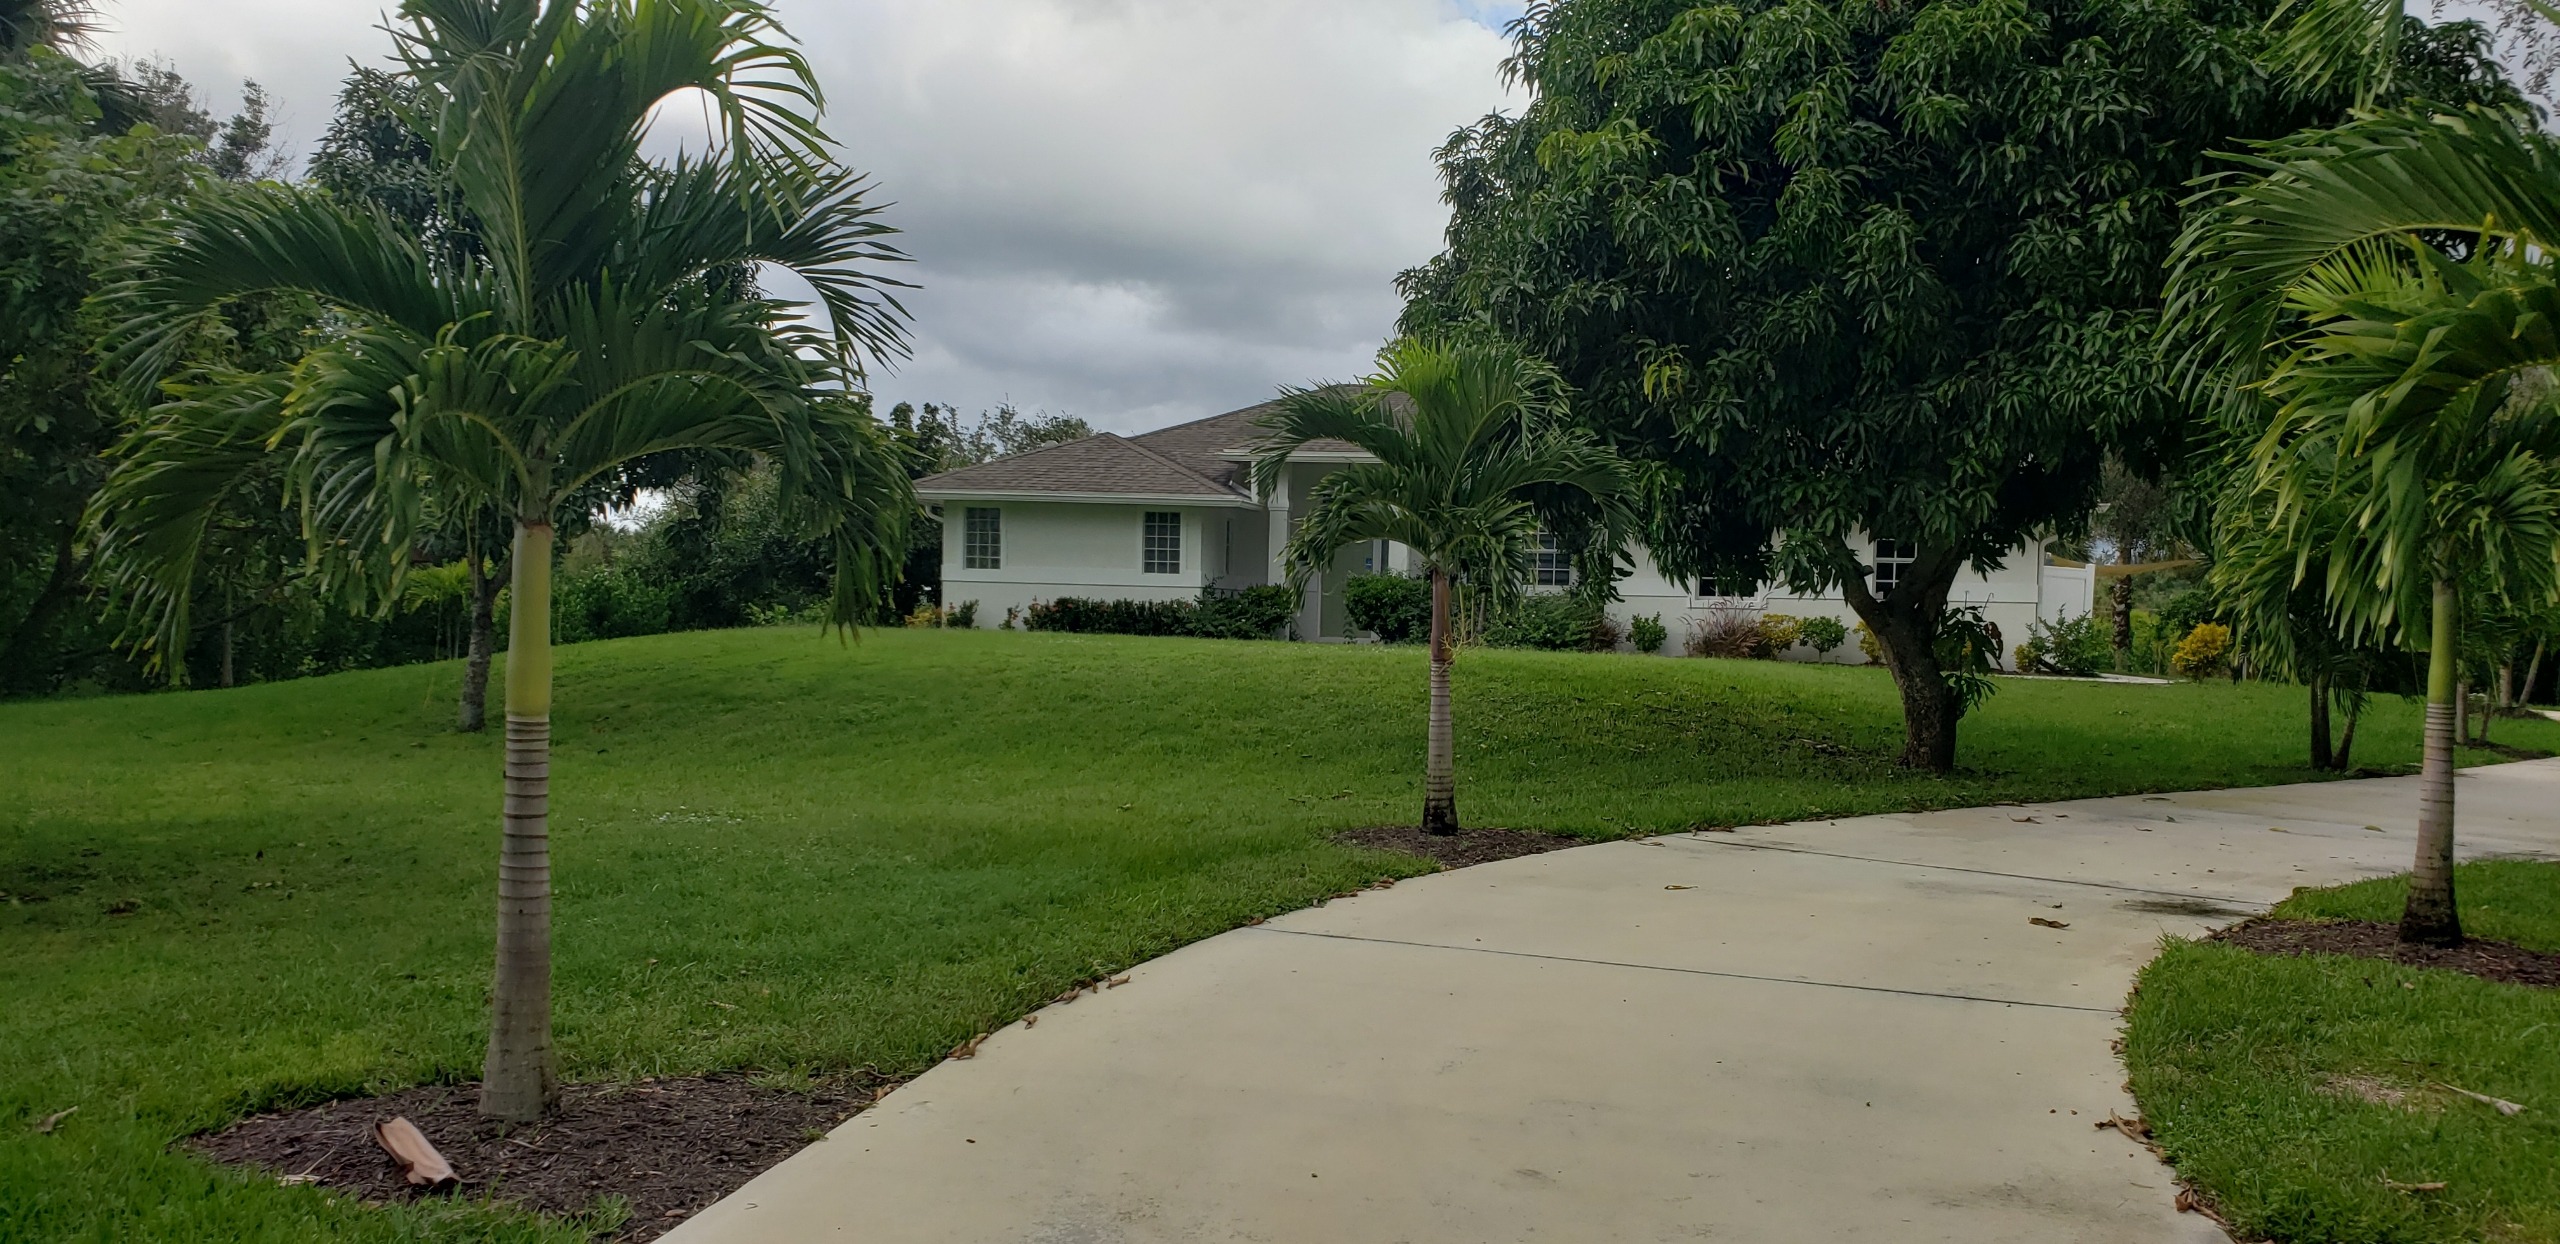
x=1156, y=545
x=1551, y=566
x=1891, y=557
x=982, y=546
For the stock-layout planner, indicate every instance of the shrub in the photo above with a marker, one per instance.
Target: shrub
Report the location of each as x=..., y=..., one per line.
x=1012, y=618
x=1553, y=621
x=965, y=615
x=1254, y=613
x=925, y=614
x=1260, y=612
x=1823, y=634
x=1725, y=632
x=2078, y=646
x=1394, y=607
x=1871, y=646
x=610, y=603
x=1778, y=632
x=2203, y=653
x=1649, y=633
x=1079, y=615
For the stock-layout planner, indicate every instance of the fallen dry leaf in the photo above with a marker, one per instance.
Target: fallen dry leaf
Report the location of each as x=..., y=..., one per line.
x=418, y=1159
x=2499, y=1104
x=2432, y=1185
x=2050, y=924
x=2186, y=1201
x=2026, y=820
x=1679, y=887
x=2135, y=1128
x=968, y=1048
x=1030, y=1021
x=1116, y=982
x=45, y=1125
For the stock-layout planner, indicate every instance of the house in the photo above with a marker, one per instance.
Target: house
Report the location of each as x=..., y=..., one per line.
x=1166, y=514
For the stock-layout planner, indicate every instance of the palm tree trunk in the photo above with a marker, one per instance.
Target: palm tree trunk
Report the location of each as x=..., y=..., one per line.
x=2429, y=918
x=2321, y=756
x=2532, y=675
x=1439, y=768
x=2461, y=712
x=516, y=1083
x=474, y=712
x=2120, y=594
x=2347, y=739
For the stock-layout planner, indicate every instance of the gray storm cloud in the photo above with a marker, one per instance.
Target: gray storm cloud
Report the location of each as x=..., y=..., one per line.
x=1137, y=211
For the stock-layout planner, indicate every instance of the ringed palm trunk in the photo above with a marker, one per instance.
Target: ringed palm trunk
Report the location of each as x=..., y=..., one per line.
x=516, y=1083
x=1439, y=768
x=2430, y=918
x=2321, y=756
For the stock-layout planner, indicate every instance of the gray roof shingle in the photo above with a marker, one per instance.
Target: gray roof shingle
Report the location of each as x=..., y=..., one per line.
x=1185, y=460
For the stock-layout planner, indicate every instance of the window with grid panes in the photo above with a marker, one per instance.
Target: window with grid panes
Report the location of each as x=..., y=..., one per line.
x=1161, y=543
x=982, y=538
x=1891, y=557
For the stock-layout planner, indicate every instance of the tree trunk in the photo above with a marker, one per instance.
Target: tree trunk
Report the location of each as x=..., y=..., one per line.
x=2321, y=757
x=2430, y=918
x=2120, y=593
x=1905, y=623
x=1439, y=769
x=2462, y=712
x=516, y=1084
x=226, y=652
x=17, y=659
x=474, y=712
x=2347, y=739
x=2532, y=674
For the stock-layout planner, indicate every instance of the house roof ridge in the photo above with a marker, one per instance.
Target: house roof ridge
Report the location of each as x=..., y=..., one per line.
x=1133, y=443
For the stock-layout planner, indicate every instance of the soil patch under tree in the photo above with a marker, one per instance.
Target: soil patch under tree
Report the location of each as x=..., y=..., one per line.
x=2503, y=962
x=1467, y=846
x=669, y=1147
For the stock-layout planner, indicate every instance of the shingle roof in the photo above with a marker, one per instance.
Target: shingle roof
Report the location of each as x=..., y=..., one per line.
x=1185, y=460
x=1104, y=464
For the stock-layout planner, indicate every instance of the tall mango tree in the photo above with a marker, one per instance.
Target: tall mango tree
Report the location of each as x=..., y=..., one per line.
x=1468, y=447
x=2400, y=270
x=599, y=323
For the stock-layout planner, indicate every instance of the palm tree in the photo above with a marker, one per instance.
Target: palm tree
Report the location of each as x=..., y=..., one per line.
x=2401, y=269
x=1468, y=447
x=598, y=324
x=64, y=26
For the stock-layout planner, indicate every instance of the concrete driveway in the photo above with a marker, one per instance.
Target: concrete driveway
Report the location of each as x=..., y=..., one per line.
x=1826, y=1031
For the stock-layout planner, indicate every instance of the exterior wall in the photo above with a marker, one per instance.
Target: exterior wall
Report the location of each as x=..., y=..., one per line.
x=1054, y=549
x=2012, y=597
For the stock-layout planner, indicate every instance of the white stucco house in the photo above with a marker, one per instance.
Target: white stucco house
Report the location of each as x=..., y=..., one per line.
x=1164, y=514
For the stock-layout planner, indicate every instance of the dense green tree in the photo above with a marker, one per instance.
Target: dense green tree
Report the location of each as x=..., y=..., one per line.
x=1467, y=439
x=1860, y=268
x=597, y=324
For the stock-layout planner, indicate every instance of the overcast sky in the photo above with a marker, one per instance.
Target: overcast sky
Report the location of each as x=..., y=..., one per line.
x=1136, y=211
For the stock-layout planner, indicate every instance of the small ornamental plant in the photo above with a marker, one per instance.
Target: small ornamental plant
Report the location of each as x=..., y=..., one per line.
x=1822, y=634
x=1649, y=633
x=2205, y=652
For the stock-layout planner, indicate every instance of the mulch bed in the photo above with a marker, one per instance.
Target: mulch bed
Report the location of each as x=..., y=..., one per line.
x=670, y=1147
x=2503, y=962
x=1467, y=846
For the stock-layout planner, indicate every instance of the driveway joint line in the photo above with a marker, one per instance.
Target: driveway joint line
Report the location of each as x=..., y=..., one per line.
x=1657, y=967
x=2251, y=904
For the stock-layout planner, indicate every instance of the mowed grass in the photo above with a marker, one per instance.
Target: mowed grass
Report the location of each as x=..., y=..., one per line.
x=779, y=853
x=2259, y=1076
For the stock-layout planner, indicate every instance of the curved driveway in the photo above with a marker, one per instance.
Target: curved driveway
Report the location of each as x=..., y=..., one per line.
x=1827, y=1031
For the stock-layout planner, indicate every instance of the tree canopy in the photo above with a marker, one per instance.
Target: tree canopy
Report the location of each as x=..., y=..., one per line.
x=1845, y=269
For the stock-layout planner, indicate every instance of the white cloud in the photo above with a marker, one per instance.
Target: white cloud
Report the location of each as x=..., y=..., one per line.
x=1135, y=210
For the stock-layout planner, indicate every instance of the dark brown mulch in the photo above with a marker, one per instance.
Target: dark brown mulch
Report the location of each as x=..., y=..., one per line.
x=669, y=1147
x=1467, y=846
x=2504, y=962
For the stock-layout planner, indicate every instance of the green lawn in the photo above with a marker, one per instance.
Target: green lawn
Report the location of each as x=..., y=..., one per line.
x=2258, y=1076
x=220, y=902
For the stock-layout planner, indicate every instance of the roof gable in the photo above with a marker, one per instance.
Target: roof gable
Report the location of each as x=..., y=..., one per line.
x=1103, y=464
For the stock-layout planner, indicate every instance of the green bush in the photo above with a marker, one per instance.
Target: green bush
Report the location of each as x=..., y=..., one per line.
x=1394, y=607
x=1260, y=612
x=611, y=602
x=1556, y=622
x=2078, y=646
x=1649, y=633
x=1823, y=634
x=965, y=615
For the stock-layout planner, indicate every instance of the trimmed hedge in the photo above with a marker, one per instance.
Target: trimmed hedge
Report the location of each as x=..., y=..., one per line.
x=1255, y=613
